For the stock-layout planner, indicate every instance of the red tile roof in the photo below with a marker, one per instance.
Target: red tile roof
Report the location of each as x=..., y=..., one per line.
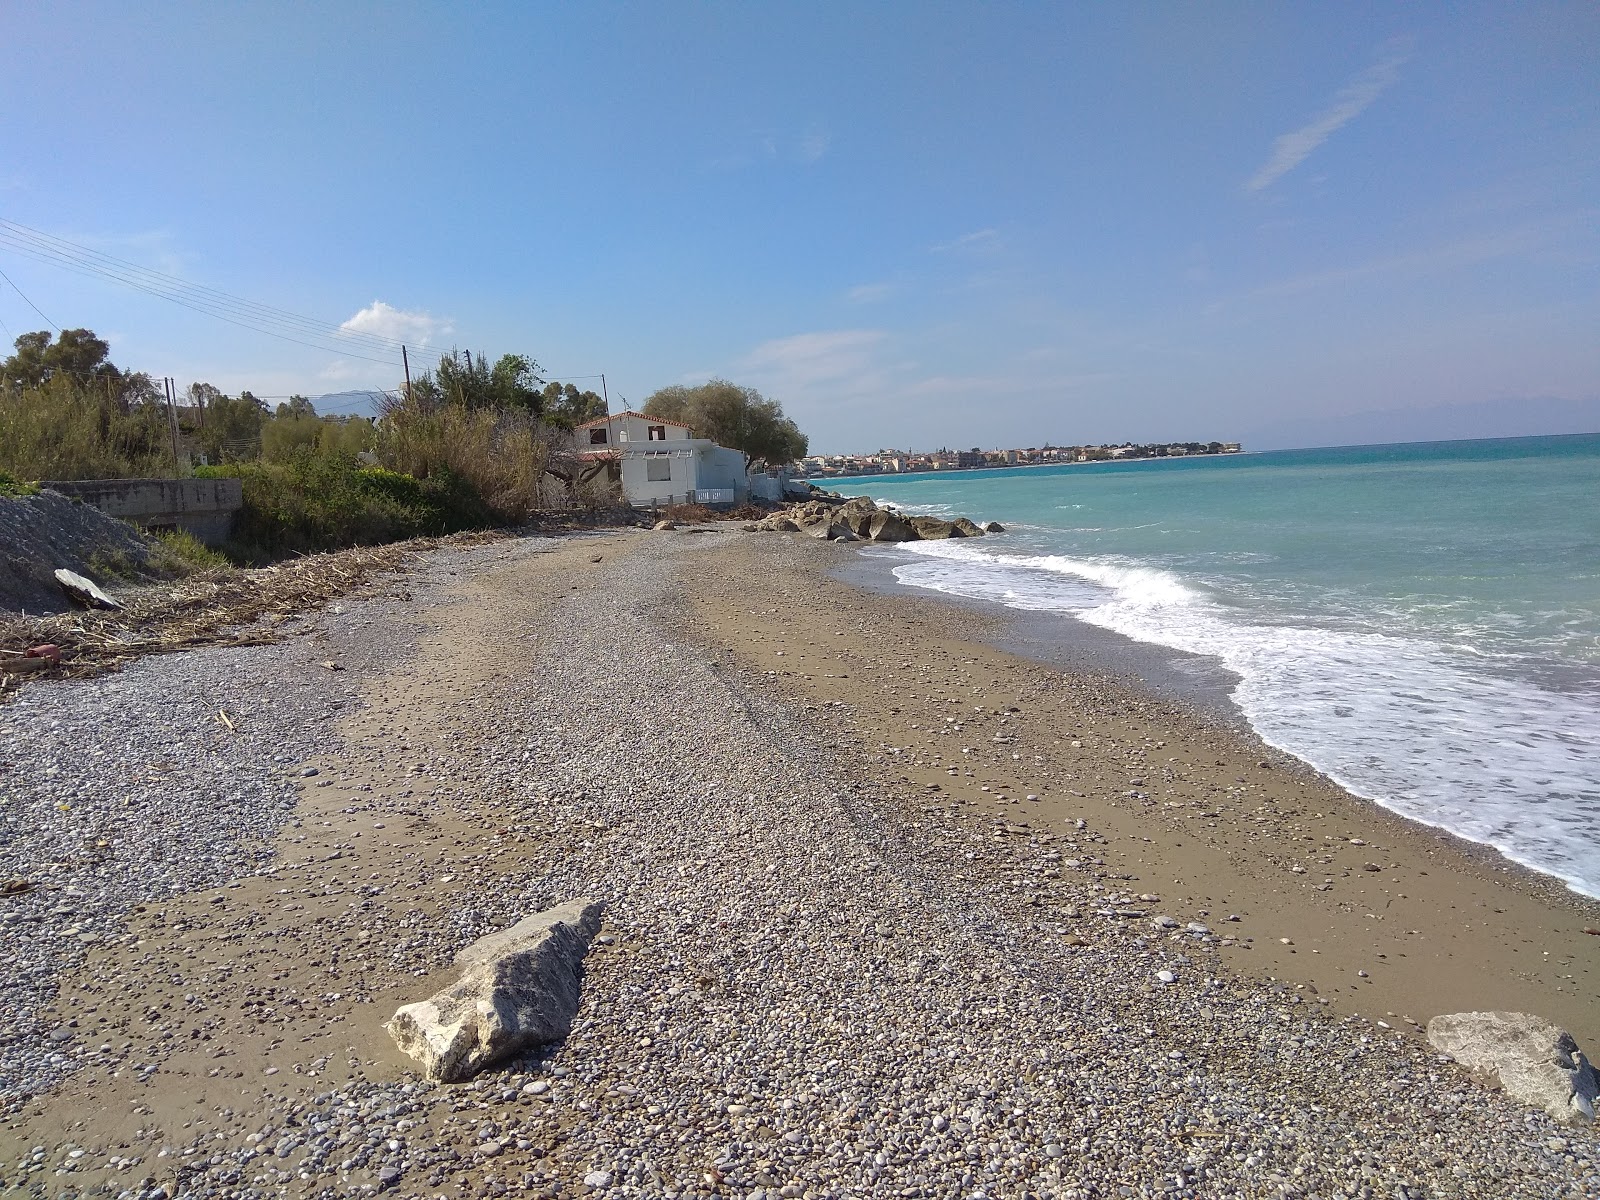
x=631, y=413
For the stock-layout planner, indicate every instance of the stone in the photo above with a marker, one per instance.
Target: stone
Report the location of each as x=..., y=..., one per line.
x=664, y=524
x=830, y=530
x=518, y=988
x=968, y=527
x=886, y=526
x=994, y=527
x=597, y=1179
x=1534, y=1060
x=85, y=591
x=932, y=529
x=857, y=514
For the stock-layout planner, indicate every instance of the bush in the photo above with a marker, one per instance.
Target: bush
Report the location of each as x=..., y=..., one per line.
x=10, y=486
x=62, y=429
x=496, y=455
x=327, y=502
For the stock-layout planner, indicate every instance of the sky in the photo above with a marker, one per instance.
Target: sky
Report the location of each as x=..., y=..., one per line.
x=914, y=225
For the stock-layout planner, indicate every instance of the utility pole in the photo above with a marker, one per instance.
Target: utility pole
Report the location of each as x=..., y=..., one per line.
x=172, y=424
x=407, y=361
x=604, y=395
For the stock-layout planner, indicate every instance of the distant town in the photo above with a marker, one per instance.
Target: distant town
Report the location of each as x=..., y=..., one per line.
x=899, y=462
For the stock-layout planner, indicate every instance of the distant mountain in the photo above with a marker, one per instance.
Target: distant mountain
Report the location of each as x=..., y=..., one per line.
x=1526, y=417
x=347, y=404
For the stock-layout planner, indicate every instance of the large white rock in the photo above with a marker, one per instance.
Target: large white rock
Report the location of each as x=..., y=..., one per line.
x=1534, y=1061
x=518, y=988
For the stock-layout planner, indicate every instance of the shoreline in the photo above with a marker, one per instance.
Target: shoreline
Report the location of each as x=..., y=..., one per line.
x=1234, y=811
x=1057, y=639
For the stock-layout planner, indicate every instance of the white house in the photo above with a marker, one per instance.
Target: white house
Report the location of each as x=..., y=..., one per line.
x=662, y=462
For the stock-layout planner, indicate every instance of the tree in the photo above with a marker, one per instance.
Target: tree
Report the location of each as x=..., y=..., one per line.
x=77, y=352
x=566, y=406
x=76, y=355
x=232, y=430
x=740, y=418
x=513, y=382
x=296, y=406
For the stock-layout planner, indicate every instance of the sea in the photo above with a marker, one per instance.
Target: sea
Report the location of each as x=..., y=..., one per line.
x=1419, y=622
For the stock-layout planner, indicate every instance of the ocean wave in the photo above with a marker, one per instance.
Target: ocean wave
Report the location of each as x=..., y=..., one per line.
x=1405, y=721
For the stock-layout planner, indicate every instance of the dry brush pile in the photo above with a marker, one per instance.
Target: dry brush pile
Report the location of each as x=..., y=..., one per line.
x=224, y=607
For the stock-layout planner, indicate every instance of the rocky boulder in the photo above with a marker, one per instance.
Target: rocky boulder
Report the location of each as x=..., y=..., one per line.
x=518, y=988
x=968, y=528
x=994, y=527
x=887, y=526
x=831, y=531
x=1533, y=1060
x=933, y=529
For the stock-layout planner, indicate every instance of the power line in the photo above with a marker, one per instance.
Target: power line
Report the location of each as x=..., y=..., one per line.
x=48, y=247
x=30, y=303
x=262, y=318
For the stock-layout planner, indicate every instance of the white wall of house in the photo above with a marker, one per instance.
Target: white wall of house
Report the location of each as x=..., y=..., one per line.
x=663, y=463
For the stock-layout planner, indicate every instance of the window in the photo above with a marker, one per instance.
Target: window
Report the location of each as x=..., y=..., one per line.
x=597, y=437
x=658, y=433
x=658, y=470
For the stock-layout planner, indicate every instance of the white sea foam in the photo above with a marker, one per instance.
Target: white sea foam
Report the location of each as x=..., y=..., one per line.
x=1426, y=729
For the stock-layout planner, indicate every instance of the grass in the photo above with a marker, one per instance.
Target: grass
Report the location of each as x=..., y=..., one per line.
x=179, y=552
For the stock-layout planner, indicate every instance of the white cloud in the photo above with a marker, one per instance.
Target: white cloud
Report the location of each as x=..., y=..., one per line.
x=869, y=293
x=808, y=358
x=1293, y=148
x=976, y=240
x=814, y=145
x=386, y=321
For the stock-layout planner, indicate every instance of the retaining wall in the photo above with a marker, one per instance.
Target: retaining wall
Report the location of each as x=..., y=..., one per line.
x=203, y=507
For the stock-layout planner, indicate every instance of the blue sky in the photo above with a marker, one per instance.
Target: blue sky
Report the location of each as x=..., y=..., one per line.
x=921, y=224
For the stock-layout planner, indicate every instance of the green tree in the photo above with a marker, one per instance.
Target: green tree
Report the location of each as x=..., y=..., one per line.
x=78, y=355
x=740, y=418
x=296, y=406
x=232, y=429
x=513, y=382
x=564, y=405
x=77, y=352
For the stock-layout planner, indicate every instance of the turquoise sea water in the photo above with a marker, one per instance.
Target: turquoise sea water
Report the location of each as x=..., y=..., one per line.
x=1420, y=622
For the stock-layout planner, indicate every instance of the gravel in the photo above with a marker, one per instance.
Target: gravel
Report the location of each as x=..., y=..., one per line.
x=43, y=532
x=806, y=988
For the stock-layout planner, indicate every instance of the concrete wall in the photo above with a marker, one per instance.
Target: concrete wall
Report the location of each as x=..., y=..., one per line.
x=769, y=485
x=203, y=507
x=722, y=470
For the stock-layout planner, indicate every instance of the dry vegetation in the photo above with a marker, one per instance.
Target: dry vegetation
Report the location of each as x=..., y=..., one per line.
x=219, y=607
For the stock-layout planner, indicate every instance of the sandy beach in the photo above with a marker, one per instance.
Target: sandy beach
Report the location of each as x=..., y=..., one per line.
x=889, y=911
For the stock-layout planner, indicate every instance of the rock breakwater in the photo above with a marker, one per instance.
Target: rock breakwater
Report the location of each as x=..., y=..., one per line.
x=860, y=518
